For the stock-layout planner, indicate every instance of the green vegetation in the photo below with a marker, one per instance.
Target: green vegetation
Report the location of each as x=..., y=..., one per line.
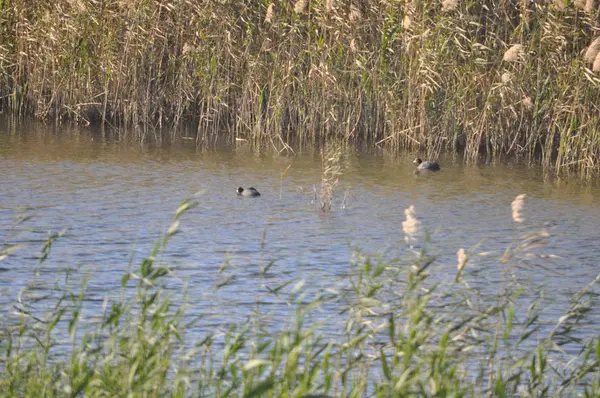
x=406, y=333
x=515, y=78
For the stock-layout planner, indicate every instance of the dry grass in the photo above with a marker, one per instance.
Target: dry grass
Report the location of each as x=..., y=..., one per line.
x=279, y=74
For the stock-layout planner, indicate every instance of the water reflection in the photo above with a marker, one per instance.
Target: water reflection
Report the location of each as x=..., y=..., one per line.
x=115, y=199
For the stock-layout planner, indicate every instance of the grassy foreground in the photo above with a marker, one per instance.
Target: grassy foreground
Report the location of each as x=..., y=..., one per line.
x=493, y=77
x=403, y=335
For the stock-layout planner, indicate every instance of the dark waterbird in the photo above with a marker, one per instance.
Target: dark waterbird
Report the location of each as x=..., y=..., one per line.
x=248, y=192
x=426, y=165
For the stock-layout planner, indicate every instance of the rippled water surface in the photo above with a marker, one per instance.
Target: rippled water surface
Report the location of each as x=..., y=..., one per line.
x=115, y=199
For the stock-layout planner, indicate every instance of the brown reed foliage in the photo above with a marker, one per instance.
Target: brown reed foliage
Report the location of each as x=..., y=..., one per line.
x=406, y=75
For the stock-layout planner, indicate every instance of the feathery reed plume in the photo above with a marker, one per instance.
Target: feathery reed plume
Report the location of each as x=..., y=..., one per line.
x=78, y=5
x=355, y=14
x=329, y=5
x=300, y=6
x=517, y=207
x=407, y=21
x=506, y=77
x=596, y=66
x=589, y=6
x=560, y=4
x=410, y=227
x=187, y=48
x=579, y=4
x=592, y=51
x=527, y=103
x=449, y=5
x=514, y=53
x=353, y=45
x=461, y=257
x=269, y=14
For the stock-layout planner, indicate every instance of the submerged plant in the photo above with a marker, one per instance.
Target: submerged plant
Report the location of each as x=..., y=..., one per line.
x=331, y=165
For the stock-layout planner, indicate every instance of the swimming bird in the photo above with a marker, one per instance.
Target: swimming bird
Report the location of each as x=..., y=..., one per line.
x=426, y=165
x=248, y=192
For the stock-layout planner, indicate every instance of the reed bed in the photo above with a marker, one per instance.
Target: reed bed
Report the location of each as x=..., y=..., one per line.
x=404, y=332
x=406, y=75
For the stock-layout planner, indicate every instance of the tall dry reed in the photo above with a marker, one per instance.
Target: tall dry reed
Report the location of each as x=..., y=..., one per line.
x=301, y=73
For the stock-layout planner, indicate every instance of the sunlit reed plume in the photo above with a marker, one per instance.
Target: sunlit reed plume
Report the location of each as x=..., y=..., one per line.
x=592, y=51
x=527, y=103
x=514, y=53
x=411, y=225
x=596, y=66
x=589, y=6
x=579, y=4
x=407, y=21
x=329, y=5
x=517, y=207
x=560, y=4
x=77, y=4
x=461, y=257
x=269, y=15
x=448, y=5
x=355, y=14
x=300, y=6
x=506, y=77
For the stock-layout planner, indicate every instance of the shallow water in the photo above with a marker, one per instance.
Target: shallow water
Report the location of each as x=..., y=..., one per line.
x=115, y=199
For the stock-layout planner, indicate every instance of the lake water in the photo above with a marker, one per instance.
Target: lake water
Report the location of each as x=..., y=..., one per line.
x=115, y=199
